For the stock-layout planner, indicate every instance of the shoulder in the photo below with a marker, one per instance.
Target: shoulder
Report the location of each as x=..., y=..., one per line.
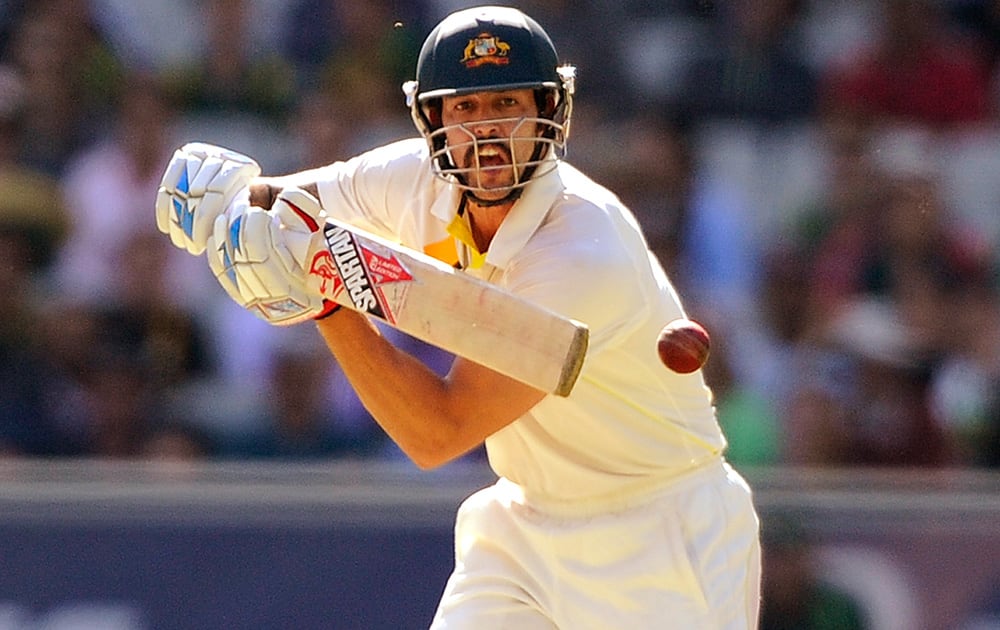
x=587, y=259
x=411, y=152
x=592, y=221
x=581, y=189
x=402, y=164
x=380, y=188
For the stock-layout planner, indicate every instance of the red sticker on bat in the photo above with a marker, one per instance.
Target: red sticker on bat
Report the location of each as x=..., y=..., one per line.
x=359, y=271
x=385, y=269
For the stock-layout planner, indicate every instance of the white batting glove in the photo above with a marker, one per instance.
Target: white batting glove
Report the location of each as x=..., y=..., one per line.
x=199, y=183
x=262, y=257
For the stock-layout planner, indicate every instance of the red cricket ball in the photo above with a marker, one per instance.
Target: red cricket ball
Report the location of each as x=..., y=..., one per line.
x=683, y=345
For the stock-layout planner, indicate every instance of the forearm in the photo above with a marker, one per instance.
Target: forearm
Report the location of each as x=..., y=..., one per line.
x=433, y=419
x=412, y=403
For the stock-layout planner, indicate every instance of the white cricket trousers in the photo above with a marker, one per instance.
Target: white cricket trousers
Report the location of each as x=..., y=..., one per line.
x=685, y=558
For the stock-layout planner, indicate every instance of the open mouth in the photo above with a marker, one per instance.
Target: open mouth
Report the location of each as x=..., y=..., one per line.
x=491, y=155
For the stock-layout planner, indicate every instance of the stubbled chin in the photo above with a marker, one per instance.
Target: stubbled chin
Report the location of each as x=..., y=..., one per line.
x=491, y=195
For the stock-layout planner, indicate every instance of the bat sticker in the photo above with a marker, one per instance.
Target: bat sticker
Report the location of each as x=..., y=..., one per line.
x=360, y=271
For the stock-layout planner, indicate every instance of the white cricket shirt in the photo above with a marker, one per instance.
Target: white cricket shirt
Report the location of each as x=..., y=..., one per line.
x=630, y=425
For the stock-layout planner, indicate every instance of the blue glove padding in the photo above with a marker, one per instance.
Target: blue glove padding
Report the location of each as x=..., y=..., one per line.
x=199, y=183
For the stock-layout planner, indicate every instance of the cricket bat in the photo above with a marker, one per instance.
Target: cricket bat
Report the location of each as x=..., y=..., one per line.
x=428, y=299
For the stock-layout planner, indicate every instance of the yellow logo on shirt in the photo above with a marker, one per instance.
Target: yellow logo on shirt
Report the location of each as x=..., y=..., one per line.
x=444, y=250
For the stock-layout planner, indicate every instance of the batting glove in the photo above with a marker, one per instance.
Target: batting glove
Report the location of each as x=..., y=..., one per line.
x=262, y=258
x=200, y=182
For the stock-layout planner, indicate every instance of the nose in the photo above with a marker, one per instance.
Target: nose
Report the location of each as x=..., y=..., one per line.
x=486, y=129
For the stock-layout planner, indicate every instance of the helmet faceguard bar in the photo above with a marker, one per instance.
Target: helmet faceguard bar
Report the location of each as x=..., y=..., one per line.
x=553, y=129
x=548, y=147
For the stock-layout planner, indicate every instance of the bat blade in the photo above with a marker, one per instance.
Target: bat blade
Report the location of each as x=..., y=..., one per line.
x=428, y=299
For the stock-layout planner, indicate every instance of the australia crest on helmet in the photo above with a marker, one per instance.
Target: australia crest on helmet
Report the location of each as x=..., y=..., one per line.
x=486, y=48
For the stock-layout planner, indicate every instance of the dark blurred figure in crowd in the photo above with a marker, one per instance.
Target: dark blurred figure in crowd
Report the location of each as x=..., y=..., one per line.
x=69, y=72
x=144, y=347
x=112, y=260
x=979, y=20
x=918, y=70
x=359, y=53
x=303, y=418
x=965, y=386
x=237, y=75
x=328, y=34
x=33, y=224
x=860, y=397
x=883, y=229
x=26, y=425
x=120, y=401
x=169, y=339
x=794, y=594
x=753, y=72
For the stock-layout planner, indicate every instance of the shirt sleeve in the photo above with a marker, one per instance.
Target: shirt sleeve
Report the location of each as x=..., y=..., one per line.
x=378, y=190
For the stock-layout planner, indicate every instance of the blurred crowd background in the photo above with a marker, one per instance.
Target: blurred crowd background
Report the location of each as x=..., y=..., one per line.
x=821, y=179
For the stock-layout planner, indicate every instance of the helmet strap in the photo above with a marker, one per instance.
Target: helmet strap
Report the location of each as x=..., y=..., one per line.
x=510, y=197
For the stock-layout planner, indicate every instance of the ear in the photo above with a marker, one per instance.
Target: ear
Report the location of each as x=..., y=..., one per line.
x=550, y=104
x=432, y=112
x=546, y=101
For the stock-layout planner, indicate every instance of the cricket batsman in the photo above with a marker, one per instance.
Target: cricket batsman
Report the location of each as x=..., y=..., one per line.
x=614, y=506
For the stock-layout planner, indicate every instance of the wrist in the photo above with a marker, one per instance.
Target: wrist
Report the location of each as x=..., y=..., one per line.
x=263, y=193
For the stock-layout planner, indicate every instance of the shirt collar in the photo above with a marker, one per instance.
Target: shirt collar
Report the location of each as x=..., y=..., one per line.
x=521, y=222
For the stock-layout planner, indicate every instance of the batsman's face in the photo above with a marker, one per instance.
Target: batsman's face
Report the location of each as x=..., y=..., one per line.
x=491, y=136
